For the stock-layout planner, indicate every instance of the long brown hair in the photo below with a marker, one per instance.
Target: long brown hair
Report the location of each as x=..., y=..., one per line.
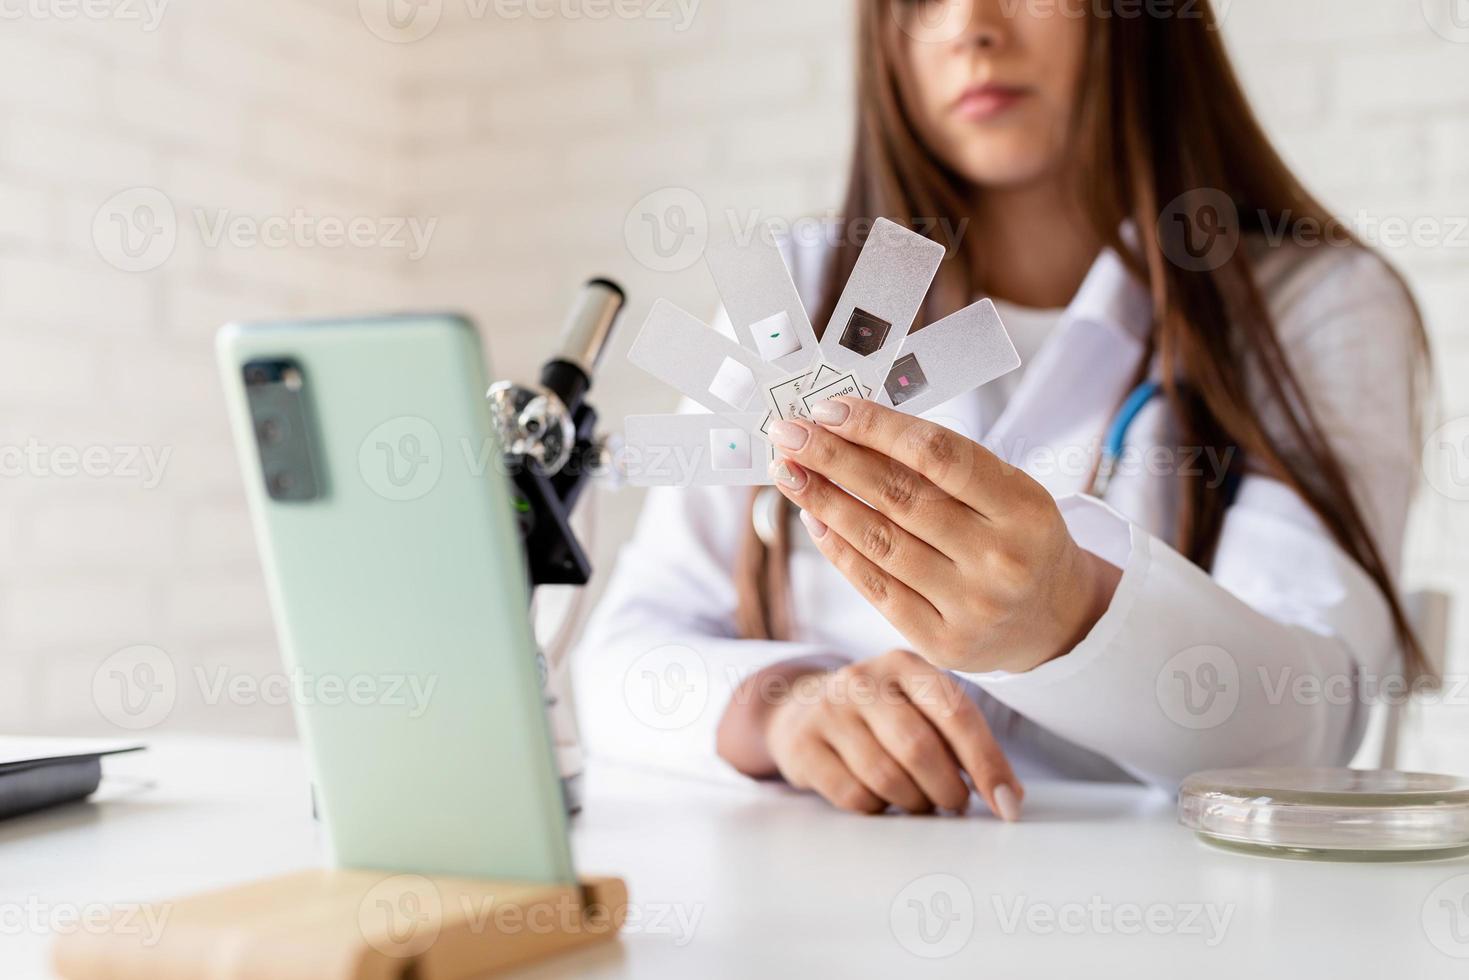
x=1160, y=115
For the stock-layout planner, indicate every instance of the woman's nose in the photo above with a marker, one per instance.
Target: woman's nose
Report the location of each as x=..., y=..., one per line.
x=986, y=36
x=978, y=23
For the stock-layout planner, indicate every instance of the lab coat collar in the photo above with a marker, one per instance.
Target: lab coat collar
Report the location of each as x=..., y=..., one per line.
x=1077, y=380
x=1110, y=294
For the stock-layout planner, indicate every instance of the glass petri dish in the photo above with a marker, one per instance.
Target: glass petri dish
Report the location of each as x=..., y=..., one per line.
x=1329, y=814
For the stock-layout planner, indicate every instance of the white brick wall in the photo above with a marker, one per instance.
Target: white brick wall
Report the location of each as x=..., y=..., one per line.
x=251, y=108
x=530, y=140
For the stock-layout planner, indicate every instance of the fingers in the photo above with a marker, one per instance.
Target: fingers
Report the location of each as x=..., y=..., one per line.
x=894, y=730
x=958, y=466
x=868, y=748
x=868, y=760
x=942, y=700
x=908, y=737
x=902, y=606
x=880, y=540
x=910, y=499
x=819, y=768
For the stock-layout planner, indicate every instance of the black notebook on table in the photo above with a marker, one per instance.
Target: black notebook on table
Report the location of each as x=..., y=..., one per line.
x=36, y=773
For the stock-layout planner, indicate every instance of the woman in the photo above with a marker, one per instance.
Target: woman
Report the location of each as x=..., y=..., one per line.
x=971, y=608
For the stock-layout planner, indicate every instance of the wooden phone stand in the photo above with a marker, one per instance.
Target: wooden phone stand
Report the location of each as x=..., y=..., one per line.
x=346, y=925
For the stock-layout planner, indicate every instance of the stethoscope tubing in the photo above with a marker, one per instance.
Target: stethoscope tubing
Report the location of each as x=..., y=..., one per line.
x=1116, y=439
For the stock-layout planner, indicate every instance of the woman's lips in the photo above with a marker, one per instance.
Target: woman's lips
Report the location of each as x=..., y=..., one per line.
x=985, y=102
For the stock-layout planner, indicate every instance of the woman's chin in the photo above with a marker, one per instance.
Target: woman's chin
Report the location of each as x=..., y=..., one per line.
x=1003, y=157
x=1002, y=170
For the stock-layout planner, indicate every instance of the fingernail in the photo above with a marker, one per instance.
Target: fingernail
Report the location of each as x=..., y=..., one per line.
x=1007, y=801
x=830, y=412
x=789, y=474
x=816, y=528
x=788, y=435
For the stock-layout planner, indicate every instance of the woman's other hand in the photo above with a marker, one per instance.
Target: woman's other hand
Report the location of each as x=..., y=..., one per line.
x=890, y=731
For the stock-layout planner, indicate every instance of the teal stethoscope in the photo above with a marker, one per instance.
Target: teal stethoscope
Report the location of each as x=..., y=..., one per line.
x=1116, y=440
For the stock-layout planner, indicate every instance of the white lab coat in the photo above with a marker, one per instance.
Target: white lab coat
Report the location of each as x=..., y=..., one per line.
x=1282, y=609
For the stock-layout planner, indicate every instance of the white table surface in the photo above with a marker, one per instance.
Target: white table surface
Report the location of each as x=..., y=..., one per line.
x=738, y=881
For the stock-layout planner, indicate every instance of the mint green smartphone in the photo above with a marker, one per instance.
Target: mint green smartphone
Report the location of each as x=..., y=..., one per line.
x=398, y=587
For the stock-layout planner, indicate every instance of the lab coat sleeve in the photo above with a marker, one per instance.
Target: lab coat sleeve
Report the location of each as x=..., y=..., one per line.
x=659, y=659
x=1274, y=657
